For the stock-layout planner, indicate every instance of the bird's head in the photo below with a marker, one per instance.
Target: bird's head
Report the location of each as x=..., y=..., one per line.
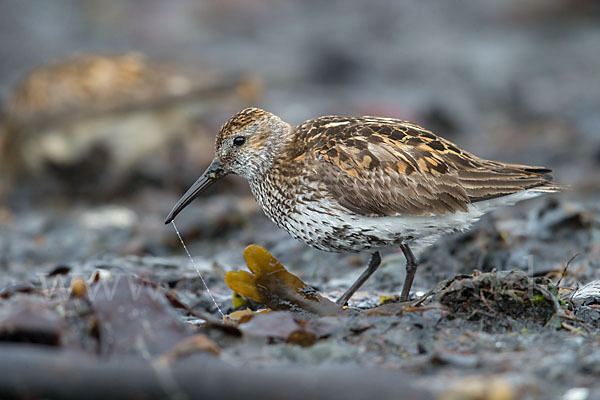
x=246, y=145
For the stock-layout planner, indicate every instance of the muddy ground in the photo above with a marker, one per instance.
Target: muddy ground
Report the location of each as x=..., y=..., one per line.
x=97, y=295
x=515, y=331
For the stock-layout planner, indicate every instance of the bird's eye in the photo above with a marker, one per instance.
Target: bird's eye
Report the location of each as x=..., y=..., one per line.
x=238, y=141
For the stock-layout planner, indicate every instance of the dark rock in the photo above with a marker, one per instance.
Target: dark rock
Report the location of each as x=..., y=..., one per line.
x=30, y=320
x=134, y=318
x=16, y=287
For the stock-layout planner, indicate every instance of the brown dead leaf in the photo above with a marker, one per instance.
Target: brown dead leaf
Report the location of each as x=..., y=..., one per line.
x=272, y=285
x=193, y=344
x=243, y=316
x=302, y=338
x=281, y=326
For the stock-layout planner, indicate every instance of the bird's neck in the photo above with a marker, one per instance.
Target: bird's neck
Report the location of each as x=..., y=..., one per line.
x=274, y=152
x=266, y=179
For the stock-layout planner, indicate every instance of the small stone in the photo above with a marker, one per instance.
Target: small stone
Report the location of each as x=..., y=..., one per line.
x=78, y=287
x=587, y=294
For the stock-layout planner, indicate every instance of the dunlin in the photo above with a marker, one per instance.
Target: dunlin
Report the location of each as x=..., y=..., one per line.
x=352, y=184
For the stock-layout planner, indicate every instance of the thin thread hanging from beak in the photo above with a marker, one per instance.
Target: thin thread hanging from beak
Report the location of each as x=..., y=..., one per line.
x=197, y=270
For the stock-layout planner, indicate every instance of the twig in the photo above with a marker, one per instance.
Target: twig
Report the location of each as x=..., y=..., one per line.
x=571, y=305
x=422, y=299
x=570, y=318
x=564, y=271
x=482, y=297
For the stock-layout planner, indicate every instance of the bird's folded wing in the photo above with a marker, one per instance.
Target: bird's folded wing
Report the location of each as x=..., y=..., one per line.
x=376, y=175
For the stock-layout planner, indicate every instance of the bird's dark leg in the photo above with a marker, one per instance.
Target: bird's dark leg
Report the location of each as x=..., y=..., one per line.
x=411, y=269
x=374, y=263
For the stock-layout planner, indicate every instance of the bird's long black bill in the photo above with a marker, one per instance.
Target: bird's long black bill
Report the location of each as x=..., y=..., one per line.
x=213, y=173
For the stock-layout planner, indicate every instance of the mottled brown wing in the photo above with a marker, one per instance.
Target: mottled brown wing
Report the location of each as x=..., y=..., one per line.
x=378, y=166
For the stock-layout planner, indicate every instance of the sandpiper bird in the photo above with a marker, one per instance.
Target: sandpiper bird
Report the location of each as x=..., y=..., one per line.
x=351, y=184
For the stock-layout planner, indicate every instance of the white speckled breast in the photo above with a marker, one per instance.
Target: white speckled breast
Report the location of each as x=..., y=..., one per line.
x=324, y=224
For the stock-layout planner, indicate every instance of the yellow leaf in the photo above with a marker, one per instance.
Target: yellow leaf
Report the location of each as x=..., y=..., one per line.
x=272, y=285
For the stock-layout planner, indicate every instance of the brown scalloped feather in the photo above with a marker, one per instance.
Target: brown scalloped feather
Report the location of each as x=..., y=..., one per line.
x=379, y=166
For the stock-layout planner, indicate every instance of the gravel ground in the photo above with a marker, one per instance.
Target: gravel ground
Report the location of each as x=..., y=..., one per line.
x=97, y=296
x=470, y=331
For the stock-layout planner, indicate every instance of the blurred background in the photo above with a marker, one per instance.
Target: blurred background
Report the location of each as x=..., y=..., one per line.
x=110, y=107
